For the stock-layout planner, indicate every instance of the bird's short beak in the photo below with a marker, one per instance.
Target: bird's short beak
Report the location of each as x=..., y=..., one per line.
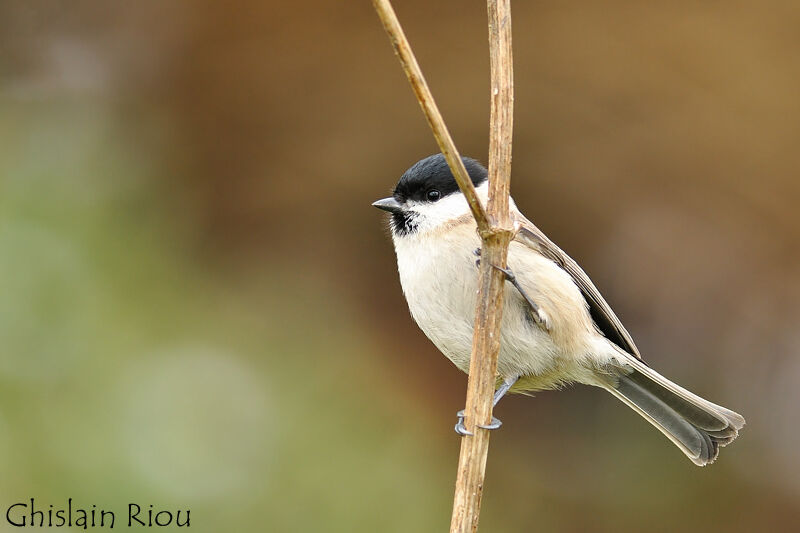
x=388, y=204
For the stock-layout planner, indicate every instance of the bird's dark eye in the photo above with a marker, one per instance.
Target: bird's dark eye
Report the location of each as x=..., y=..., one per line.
x=433, y=195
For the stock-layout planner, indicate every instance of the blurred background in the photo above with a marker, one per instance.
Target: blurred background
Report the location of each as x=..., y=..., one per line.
x=199, y=308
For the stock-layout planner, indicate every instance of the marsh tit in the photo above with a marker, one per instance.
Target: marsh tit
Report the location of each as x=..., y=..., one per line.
x=556, y=328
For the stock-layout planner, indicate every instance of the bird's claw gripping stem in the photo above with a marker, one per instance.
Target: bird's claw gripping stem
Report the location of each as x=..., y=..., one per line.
x=461, y=429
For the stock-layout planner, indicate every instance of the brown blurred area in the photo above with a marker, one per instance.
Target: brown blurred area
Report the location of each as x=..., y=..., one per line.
x=239, y=146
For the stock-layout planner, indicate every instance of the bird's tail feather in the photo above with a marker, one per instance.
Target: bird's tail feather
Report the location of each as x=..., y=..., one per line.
x=697, y=426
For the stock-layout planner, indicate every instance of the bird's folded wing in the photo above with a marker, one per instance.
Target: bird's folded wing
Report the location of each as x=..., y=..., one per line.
x=607, y=322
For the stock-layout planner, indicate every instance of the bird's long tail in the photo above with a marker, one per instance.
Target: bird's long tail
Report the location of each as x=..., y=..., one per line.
x=697, y=426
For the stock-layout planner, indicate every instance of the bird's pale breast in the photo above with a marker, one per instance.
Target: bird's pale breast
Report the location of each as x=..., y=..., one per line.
x=439, y=279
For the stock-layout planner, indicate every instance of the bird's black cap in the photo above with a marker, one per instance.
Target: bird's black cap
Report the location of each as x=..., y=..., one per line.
x=433, y=173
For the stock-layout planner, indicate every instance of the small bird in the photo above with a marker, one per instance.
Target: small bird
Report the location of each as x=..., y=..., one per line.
x=556, y=328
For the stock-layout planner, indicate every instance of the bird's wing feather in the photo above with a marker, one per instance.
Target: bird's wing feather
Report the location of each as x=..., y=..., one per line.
x=607, y=322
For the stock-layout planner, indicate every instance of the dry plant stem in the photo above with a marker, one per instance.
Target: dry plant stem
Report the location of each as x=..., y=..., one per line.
x=495, y=230
x=486, y=341
x=409, y=62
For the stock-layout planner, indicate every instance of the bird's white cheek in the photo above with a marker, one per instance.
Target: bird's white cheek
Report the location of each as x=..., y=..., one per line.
x=432, y=215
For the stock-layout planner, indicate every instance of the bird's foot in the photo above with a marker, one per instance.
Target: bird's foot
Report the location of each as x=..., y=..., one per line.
x=461, y=429
x=538, y=315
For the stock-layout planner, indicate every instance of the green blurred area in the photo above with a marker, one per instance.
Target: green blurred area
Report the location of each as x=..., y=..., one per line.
x=131, y=373
x=199, y=309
